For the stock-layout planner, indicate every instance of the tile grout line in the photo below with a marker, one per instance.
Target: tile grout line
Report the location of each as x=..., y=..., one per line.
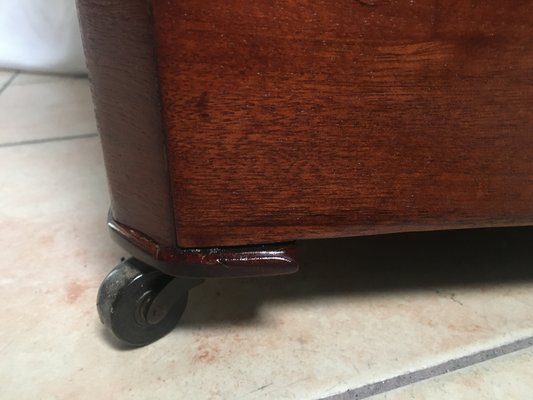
x=52, y=78
x=48, y=140
x=410, y=378
x=9, y=81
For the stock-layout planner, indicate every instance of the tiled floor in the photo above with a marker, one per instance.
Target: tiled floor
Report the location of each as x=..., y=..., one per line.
x=386, y=316
x=507, y=377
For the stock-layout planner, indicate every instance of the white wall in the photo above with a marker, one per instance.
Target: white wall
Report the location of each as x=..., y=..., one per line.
x=40, y=35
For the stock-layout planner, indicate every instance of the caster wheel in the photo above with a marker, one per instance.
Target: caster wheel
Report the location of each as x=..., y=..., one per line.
x=139, y=304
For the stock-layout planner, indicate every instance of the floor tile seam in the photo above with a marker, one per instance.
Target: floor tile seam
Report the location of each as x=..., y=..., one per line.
x=441, y=369
x=48, y=140
x=9, y=81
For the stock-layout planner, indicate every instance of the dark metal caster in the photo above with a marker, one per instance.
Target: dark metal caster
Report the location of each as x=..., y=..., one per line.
x=139, y=304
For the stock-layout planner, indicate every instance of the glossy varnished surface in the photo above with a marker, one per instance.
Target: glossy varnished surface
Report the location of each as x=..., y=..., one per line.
x=224, y=262
x=119, y=47
x=301, y=119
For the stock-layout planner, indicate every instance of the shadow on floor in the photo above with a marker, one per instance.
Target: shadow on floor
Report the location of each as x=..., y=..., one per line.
x=366, y=265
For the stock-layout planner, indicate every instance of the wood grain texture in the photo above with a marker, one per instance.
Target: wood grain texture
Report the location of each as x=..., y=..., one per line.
x=295, y=119
x=119, y=46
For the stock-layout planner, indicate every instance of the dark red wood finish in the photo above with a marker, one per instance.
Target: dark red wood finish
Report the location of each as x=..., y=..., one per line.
x=118, y=41
x=208, y=262
x=295, y=119
x=304, y=119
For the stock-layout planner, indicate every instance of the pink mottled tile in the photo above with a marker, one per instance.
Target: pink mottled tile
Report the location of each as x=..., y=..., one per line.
x=34, y=108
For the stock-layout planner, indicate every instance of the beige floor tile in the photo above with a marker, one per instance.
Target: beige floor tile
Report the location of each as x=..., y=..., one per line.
x=360, y=311
x=56, y=107
x=509, y=377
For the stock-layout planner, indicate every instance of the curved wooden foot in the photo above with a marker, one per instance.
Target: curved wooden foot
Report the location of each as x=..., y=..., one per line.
x=246, y=261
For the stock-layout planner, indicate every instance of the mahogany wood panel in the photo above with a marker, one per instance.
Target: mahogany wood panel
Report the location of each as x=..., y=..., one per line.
x=294, y=119
x=118, y=41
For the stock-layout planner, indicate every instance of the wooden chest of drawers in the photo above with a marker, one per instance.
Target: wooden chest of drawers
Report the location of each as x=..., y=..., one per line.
x=240, y=123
